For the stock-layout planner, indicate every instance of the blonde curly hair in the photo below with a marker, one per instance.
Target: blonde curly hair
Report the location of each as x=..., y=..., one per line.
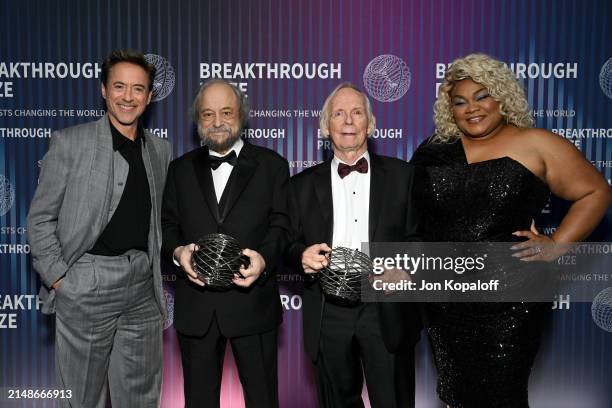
x=499, y=81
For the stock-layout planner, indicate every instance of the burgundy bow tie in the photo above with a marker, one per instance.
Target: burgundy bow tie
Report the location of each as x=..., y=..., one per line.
x=361, y=166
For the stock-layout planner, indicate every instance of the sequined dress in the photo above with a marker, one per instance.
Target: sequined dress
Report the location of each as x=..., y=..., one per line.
x=484, y=352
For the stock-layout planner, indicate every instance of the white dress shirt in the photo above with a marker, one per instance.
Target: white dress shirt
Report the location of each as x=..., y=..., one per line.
x=220, y=176
x=223, y=172
x=351, y=198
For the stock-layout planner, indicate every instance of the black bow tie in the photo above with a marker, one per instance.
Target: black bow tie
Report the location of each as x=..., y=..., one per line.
x=361, y=166
x=215, y=161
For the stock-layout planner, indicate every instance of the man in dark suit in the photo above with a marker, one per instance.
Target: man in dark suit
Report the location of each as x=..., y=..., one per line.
x=227, y=186
x=353, y=198
x=94, y=229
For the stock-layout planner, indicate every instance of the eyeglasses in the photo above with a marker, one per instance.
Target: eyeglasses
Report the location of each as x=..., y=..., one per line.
x=209, y=116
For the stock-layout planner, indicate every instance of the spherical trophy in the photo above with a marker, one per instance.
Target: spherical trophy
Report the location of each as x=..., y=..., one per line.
x=217, y=259
x=341, y=279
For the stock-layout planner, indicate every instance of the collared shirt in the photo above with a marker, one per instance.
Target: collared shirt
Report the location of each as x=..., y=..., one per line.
x=351, y=198
x=129, y=226
x=222, y=174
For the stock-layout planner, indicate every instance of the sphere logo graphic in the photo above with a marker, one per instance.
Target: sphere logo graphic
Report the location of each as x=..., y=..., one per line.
x=601, y=309
x=7, y=195
x=164, y=80
x=387, y=78
x=169, y=309
x=605, y=78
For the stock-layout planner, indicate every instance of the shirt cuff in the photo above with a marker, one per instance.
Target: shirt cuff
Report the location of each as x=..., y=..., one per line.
x=175, y=261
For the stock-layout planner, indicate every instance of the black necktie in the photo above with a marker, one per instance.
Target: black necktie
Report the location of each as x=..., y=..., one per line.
x=215, y=161
x=361, y=166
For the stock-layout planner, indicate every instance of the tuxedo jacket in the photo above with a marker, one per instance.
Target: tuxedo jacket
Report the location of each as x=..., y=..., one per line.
x=391, y=219
x=80, y=186
x=254, y=211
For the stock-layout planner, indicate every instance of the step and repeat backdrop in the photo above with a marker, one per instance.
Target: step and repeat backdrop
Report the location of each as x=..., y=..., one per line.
x=287, y=56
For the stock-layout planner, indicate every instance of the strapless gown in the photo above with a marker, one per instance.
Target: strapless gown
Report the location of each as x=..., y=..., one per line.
x=484, y=352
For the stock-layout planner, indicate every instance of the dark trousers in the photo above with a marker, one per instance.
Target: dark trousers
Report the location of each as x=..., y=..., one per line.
x=255, y=356
x=350, y=348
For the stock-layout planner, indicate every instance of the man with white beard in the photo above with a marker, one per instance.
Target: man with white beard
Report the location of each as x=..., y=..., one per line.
x=232, y=187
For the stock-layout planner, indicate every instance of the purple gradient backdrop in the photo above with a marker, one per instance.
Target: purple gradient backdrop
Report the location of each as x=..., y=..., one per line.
x=573, y=368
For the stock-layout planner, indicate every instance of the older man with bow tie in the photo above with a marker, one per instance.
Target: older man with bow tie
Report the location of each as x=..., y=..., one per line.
x=227, y=186
x=355, y=197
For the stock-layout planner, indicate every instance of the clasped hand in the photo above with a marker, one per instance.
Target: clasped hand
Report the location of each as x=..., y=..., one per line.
x=245, y=278
x=315, y=258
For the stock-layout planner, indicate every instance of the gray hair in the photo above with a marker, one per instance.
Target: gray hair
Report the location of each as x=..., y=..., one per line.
x=325, y=111
x=243, y=101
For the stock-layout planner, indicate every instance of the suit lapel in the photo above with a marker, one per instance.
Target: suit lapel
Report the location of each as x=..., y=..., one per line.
x=150, y=156
x=203, y=174
x=101, y=178
x=323, y=191
x=377, y=193
x=239, y=179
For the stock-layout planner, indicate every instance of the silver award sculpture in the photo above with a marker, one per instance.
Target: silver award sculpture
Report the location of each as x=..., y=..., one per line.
x=341, y=279
x=217, y=259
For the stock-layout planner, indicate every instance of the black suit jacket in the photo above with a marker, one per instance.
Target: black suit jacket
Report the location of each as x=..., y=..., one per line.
x=392, y=219
x=255, y=213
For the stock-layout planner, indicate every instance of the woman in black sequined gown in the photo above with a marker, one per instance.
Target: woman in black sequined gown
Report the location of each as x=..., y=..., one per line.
x=485, y=176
